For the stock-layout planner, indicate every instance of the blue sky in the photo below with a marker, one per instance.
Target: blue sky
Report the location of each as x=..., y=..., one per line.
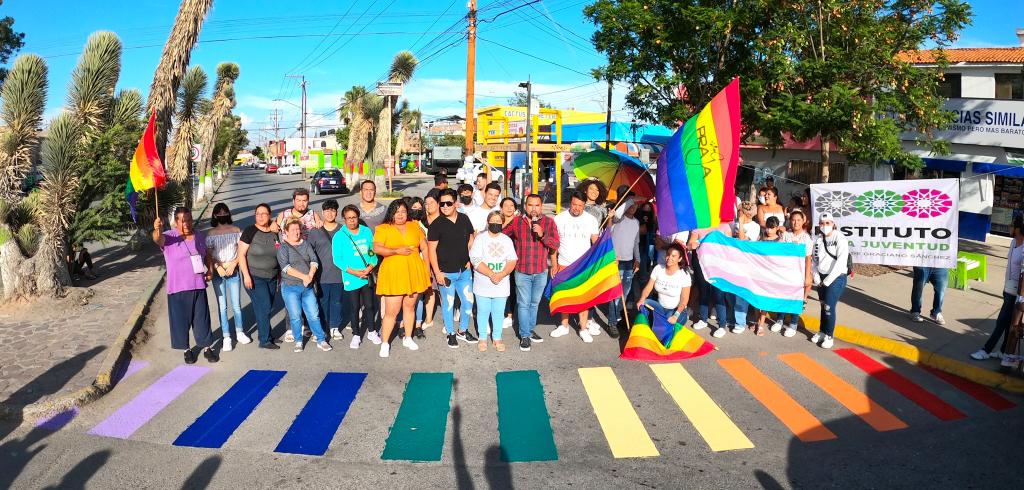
x=293, y=42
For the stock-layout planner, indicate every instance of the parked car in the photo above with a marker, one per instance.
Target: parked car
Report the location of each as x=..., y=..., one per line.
x=328, y=180
x=468, y=172
x=271, y=168
x=260, y=165
x=289, y=169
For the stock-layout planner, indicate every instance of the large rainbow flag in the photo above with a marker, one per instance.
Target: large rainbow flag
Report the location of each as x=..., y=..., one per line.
x=662, y=341
x=697, y=168
x=146, y=170
x=590, y=281
x=769, y=275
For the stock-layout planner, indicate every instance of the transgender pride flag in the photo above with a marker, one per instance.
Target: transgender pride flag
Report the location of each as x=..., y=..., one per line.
x=769, y=275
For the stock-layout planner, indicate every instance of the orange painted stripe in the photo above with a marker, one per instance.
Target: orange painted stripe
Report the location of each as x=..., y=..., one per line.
x=853, y=399
x=804, y=425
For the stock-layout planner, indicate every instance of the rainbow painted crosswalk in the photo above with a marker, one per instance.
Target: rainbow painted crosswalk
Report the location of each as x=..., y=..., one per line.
x=526, y=430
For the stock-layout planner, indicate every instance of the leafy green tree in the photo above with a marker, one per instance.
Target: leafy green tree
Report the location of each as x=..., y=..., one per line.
x=257, y=152
x=11, y=42
x=518, y=99
x=451, y=140
x=813, y=68
x=342, y=136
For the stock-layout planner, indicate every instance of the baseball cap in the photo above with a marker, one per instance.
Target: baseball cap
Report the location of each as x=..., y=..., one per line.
x=825, y=217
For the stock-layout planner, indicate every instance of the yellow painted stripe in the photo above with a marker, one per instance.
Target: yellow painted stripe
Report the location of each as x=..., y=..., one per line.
x=706, y=416
x=622, y=427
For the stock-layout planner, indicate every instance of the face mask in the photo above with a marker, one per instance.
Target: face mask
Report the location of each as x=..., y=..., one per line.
x=416, y=214
x=494, y=227
x=760, y=200
x=826, y=229
x=466, y=200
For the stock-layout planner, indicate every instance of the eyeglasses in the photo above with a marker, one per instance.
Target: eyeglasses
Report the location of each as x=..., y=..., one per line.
x=446, y=204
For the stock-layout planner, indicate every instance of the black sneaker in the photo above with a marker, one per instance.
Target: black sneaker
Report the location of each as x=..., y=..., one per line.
x=524, y=345
x=613, y=331
x=270, y=345
x=467, y=337
x=190, y=357
x=536, y=338
x=418, y=333
x=211, y=355
x=453, y=342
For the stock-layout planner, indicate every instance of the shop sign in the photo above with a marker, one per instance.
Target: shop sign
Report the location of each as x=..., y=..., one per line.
x=898, y=222
x=988, y=122
x=522, y=147
x=392, y=89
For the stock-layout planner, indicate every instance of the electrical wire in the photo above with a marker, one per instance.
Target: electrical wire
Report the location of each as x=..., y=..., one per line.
x=524, y=53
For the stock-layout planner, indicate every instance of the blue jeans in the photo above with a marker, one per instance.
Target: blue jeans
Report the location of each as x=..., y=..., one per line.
x=298, y=300
x=226, y=288
x=829, y=296
x=660, y=310
x=938, y=277
x=262, y=297
x=462, y=285
x=332, y=312
x=1002, y=323
x=492, y=309
x=615, y=307
x=529, y=290
x=736, y=309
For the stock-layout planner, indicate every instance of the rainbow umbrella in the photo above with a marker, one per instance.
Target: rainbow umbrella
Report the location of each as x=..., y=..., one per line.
x=614, y=169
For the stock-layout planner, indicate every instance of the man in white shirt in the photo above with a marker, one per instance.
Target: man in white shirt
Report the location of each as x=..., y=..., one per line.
x=480, y=189
x=626, y=241
x=478, y=214
x=577, y=231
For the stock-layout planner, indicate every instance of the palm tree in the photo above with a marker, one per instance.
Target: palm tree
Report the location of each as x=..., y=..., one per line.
x=91, y=91
x=351, y=112
x=127, y=108
x=173, y=63
x=223, y=102
x=191, y=92
x=24, y=98
x=403, y=66
x=61, y=170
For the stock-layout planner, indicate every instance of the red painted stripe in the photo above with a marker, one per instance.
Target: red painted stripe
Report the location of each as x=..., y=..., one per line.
x=913, y=392
x=983, y=394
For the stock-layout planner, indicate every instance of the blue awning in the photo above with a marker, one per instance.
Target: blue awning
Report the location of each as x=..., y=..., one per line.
x=620, y=131
x=1014, y=171
x=945, y=165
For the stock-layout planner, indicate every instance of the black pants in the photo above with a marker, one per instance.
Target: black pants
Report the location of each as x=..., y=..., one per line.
x=362, y=309
x=1003, y=321
x=189, y=309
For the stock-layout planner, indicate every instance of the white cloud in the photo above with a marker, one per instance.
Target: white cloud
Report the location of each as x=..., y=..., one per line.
x=245, y=119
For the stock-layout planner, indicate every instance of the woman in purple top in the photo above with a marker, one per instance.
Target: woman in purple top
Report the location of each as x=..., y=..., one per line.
x=187, y=272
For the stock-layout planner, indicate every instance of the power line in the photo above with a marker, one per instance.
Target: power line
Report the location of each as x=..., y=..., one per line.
x=292, y=69
x=332, y=53
x=524, y=53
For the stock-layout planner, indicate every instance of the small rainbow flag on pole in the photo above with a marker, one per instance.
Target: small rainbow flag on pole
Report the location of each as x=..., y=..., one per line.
x=662, y=341
x=590, y=281
x=146, y=170
x=697, y=168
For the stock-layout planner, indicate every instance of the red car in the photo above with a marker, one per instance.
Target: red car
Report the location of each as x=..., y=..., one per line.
x=271, y=168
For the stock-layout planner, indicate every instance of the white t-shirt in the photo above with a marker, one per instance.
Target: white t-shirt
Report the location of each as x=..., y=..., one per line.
x=670, y=287
x=478, y=216
x=804, y=238
x=495, y=252
x=574, y=233
x=478, y=197
x=752, y=230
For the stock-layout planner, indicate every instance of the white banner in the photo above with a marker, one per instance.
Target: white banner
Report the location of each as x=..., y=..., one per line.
x=896, y=222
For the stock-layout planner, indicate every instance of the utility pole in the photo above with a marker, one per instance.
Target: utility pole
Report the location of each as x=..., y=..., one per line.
x=528, y=85
x=276, y=117
x=470, y=78
x=302, y=124
x=608, y=119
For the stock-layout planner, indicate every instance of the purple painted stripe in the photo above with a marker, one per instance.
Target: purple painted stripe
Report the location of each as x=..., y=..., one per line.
x=133, y=367
x=58, y=420
x=134, y=414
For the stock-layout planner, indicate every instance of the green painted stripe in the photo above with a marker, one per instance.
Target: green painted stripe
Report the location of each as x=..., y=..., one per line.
x=418, y=431
x=524, y=425
x=695, y=174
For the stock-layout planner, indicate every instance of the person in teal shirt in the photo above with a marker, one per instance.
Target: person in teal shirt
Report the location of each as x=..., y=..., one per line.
x=352, y=248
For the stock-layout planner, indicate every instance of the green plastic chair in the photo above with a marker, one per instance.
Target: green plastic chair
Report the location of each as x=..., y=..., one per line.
x=969, y=266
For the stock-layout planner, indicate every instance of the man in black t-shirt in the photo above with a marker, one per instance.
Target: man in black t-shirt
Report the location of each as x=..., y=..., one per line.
x=449, y=239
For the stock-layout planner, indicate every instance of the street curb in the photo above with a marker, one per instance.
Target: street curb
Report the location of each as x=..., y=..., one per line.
x=116, y=356
x=910, y=353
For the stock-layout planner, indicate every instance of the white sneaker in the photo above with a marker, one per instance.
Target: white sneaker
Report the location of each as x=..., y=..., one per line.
x=585, y=335
x=409, y=344
x=827, y=343
x=816, y=337
x=916, y=317
x=298, y=346
x=700, y=325
x=712, y=317
x=738, y=329
x=561, y=331
x=981, y=355
x=227, y=345
x=506, y=323
x=324, y=346
x=374, y=337
x=336, y=333
x=593, y=327
x=355, y=342
x=776, y=327
x=289, y=337
x=996, y=354
x=242, y=337
x=789, y=332
x=385, y=350
x=718, y=333
x=938, y=318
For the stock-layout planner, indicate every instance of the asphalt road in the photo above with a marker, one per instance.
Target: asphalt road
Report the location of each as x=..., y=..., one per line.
x=711, y=432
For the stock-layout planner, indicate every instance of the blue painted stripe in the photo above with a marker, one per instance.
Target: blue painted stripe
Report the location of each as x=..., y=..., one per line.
x=765, y=303
x=314, y=428
x=213, y=428
x=777, y=249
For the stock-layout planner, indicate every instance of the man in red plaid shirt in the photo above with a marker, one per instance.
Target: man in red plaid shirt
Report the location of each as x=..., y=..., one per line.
x=536, y=238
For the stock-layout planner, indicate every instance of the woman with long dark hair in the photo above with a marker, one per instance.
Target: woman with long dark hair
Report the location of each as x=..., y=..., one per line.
x=402, y=274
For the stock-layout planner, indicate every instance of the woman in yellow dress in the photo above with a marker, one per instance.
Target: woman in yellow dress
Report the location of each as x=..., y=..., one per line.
x=402, y=274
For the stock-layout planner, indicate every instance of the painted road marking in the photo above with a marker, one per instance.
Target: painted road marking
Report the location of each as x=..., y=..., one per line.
x=213, y=428
x=314, y=428
x=146, y=405
x=804, y=425
x=524, y=426
x=853, y=399
x=418, y=431
x=57, y=421
x=900, y=384
x=983, y=394
x=622, y=427
x=706, y=416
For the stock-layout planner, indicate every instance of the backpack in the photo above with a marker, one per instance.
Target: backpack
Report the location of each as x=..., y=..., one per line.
x=849, y=257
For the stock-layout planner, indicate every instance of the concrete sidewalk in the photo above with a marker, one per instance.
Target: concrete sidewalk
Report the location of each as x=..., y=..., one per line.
x=875, y=312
